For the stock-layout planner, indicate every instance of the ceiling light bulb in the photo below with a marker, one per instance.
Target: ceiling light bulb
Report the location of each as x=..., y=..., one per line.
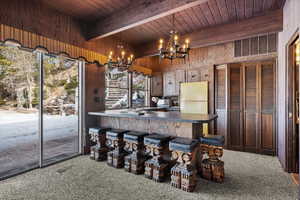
x=111, y=53
x=161, y=41
x=131, y=55
x=187, y=41
x=176, y=37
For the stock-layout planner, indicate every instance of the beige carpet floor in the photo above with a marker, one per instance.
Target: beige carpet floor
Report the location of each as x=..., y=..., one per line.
x=248, y=176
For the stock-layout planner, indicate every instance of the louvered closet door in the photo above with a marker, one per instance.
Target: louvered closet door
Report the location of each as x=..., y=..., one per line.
x=220, y=100
x=235, y=116
x=251, y=106
x=267, y=114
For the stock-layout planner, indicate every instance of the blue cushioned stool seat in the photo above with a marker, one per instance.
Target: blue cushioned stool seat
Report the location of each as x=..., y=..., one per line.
x=216, y=140
x=183, y=144
x=134, y=136
x=115, y=133
x=98, y=130
x=157, y=140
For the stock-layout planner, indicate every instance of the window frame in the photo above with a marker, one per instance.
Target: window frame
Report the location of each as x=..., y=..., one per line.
x=130, y=91
x=146, y=90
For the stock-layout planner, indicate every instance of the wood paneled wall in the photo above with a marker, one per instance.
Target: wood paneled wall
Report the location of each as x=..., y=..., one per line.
x=203, y=59
x=51, y=28
x=31, y=40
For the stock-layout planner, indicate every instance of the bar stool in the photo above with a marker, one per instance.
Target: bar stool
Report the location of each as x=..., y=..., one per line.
x=183, y=174
x=99, y=149
x=114, y=139
x=158, y=166
x=212, y=168
x=134, y=143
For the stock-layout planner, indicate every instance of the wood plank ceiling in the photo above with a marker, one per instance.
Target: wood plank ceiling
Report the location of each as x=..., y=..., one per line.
x=209, y=14
x=87, y=10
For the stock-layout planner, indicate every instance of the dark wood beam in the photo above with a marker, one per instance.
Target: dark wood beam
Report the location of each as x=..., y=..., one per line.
x=138, y=13
x=271, y=22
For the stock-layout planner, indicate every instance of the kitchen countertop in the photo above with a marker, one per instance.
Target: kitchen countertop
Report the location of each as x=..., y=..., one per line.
x=174, y=116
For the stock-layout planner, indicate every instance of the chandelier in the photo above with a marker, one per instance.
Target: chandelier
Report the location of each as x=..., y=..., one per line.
x=173, y=49
x=119, y=61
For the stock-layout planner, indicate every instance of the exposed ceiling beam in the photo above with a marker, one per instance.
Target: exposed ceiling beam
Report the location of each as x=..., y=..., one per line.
x=138, y=13
x=271, y=22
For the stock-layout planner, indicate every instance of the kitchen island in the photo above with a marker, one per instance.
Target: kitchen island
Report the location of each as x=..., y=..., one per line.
x=155, y=121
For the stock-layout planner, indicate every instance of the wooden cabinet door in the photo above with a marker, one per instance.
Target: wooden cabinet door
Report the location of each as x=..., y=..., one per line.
x=251, y=104
x=169, y=83
x=179, y=78
x=220, y=75
x=267, y=111
x=157, y=84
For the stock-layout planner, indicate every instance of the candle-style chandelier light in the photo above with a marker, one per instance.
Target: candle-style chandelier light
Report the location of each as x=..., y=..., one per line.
x=173, y=49
x=120, y=61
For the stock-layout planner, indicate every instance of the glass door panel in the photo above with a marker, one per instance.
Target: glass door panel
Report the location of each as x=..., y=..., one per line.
x=19, y=111
x=60, y=108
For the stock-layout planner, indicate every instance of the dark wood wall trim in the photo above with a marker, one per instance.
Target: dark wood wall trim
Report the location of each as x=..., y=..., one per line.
x=290, y=143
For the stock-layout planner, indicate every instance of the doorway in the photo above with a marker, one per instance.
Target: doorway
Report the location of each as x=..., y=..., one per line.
x=40, y=109
x=292, y=115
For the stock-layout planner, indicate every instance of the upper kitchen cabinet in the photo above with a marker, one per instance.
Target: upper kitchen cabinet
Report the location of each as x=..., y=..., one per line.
x=179, y=78
x=169, y=84
x=157, y=84
x=172, y=82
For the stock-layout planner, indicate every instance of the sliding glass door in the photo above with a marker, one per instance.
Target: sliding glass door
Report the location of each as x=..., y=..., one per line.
x=39, y=109
x=60, y=122
x=19, y=111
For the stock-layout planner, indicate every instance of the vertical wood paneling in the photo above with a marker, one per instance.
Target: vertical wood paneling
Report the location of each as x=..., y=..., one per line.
x=31, y=40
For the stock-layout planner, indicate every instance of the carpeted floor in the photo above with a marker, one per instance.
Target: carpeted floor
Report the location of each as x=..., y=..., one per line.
x=248, y=176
